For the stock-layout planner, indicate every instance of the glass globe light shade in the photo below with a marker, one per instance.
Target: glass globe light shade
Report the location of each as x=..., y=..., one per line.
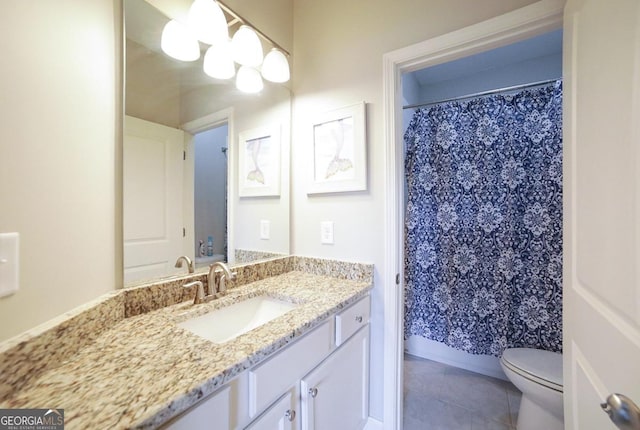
x=207, y=21
x=178, y=42
x=249, y=80
x=275, y=67
x=218, y=62
x=246, y=47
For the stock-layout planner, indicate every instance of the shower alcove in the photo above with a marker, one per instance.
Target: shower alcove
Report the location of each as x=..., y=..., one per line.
x=533, y=60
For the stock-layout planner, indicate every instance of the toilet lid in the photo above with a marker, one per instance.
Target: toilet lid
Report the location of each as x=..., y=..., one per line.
x=544, y=367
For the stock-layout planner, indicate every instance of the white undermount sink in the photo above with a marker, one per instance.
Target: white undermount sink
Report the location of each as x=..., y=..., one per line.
x=224, y=324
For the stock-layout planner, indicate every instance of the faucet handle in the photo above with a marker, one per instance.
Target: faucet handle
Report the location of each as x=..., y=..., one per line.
x=199, y=298
x=222, y=281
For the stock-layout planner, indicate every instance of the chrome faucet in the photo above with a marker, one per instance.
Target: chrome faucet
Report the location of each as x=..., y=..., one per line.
x=216, y=279
x=186, y=260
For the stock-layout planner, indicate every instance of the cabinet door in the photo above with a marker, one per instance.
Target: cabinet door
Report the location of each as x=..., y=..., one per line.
x=211, y=413
x=335, y=395
x=281, y=416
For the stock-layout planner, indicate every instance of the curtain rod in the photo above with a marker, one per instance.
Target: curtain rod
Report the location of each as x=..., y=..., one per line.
x=483, y=93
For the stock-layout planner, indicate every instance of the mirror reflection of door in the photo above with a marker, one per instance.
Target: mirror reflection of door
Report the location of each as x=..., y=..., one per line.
x=210, y=195
x=153, y=213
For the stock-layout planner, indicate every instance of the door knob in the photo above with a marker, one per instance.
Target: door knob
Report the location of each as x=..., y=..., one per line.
x=624, y=413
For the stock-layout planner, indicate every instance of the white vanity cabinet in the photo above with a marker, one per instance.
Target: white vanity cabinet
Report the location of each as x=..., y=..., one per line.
x=335, y=395
x=320, y=381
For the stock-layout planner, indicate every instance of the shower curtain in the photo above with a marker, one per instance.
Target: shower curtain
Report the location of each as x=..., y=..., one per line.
x=483, y=224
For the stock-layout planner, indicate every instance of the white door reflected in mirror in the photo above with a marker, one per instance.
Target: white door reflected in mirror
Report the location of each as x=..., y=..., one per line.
x=153, y=178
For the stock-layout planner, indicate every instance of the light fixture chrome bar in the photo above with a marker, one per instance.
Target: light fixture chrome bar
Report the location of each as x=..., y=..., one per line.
x=260, y=33
x=484, y=93
x=233, y=21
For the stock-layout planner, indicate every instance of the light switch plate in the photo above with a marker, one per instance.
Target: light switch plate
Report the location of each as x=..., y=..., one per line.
x=265, y=229
x=326, y=232
x=9, y=259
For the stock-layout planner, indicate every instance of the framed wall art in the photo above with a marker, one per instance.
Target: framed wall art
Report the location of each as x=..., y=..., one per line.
x=339, y=158
x=259, y=162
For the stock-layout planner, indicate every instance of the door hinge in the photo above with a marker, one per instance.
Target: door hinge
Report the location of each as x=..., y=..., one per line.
x=184, y=232
x=397, y=279
x=184, y=155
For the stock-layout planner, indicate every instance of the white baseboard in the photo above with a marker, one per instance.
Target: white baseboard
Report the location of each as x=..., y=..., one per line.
x=436, y=351
x=373, y=424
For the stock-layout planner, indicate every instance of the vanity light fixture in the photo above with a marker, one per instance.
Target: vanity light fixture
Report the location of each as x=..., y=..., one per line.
x=179, y=42
x=275, y=67
x=246, y=46
x=218, y=62
x=206, y=22
x=249, y=80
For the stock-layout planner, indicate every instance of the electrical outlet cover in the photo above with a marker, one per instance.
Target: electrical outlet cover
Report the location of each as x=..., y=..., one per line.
x=326, y=232
x=265, y=227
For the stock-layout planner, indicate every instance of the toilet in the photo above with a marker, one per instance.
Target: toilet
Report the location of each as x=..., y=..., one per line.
x=538, y=374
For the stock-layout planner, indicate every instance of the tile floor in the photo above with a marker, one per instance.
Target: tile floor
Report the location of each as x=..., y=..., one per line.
x=438, y=396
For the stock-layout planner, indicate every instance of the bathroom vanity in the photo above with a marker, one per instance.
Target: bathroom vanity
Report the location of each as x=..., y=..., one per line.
x=124, y=361
x=318, y=382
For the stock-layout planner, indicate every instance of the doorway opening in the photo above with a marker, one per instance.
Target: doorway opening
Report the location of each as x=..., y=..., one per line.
x=465, y=315
x=507, y=29
x=210, y=195
x=449, y=87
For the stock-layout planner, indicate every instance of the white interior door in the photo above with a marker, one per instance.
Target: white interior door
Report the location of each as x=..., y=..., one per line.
x=152, y=198
x=602, y=208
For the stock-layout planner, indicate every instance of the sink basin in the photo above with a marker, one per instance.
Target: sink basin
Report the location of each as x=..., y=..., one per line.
x=224, y=324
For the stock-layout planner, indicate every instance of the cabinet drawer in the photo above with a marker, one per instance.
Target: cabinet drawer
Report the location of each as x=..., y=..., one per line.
x=276, y=375
x=352, y=319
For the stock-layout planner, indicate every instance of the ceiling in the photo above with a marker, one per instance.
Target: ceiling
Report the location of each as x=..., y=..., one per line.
x=540, y=46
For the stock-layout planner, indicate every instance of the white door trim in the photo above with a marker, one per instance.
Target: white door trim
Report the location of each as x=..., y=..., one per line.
x=535, y=19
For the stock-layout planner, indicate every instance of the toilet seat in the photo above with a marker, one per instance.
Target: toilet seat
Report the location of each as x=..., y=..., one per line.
x=540, y=366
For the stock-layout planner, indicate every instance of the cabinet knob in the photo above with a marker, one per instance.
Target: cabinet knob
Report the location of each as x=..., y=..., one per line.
x=359, y=318
x=290, y=415
x=313, y=392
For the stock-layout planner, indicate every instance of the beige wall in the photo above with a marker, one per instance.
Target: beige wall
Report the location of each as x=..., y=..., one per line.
x=57, y=154
x=338, y=49
x=152, y=86
x=273, y=108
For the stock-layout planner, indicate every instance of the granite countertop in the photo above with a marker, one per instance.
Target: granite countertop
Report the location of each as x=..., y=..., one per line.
x=145, y=369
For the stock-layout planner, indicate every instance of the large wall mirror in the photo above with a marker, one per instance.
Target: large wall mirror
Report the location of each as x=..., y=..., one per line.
x=189, y=144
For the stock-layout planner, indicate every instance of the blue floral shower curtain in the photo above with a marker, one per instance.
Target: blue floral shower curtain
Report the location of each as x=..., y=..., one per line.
x=483, y=225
